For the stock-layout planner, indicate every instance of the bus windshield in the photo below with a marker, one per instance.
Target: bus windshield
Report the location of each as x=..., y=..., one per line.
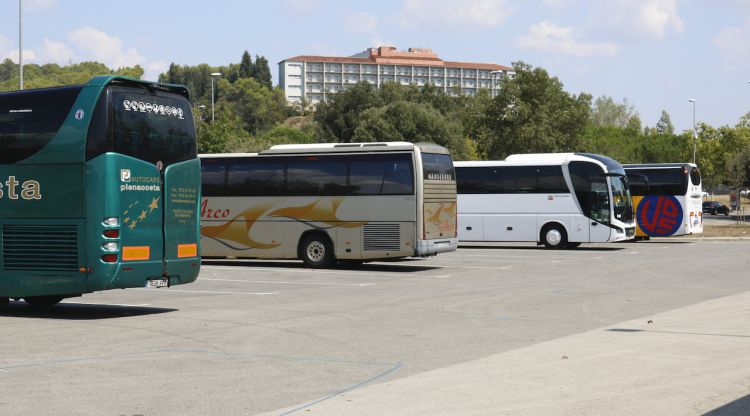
x=152, y=127
x=623, y=206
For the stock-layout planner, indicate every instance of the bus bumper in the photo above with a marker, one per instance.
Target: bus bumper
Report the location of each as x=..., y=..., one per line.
x=431, y=247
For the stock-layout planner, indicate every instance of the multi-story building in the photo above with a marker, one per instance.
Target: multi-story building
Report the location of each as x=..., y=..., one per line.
x=315, y=77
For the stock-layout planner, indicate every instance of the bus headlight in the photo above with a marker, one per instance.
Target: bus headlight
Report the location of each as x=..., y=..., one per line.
x=111, y=222
x=111, y=246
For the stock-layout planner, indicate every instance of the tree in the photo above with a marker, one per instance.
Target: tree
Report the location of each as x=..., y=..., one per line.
x=664, y=125
x=339, y=116
x=411, y=122
x=606, y=112
x=52, y=75
x=262, y=73
x=532, y=113
x=247, y=69
x=258, y=108
x=738, y=168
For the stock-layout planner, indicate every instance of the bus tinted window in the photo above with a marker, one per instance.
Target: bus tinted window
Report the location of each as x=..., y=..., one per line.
x=695, y=175
x=213, y=176
x=437, y=167
x=153, y=128
x=510, y=179
x=255, y=177
x=662, y=181
x=387, y=174
x=550, y=180
x=317, y=175
x=30, y=119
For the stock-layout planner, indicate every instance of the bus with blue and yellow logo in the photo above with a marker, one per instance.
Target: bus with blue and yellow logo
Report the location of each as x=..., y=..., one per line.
x=99, y=189
x=667, y=198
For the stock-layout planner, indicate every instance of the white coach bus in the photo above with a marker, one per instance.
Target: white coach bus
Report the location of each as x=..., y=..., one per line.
x=556, y=199
x=324, y=203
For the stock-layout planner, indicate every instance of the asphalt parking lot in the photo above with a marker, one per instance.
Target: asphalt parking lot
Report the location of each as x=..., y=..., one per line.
x=264, y=337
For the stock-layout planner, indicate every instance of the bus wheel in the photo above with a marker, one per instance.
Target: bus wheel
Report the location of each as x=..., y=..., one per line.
x=572, y=245
x=42, y=301
x=554, y=236
x=317, y=251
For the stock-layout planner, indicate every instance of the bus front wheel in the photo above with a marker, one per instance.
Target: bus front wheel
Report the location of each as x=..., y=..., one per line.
x=317, y=251
x=43, y=301
x=554, y=236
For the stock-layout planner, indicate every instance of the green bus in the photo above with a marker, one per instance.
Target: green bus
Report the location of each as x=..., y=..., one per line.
x=99, y=189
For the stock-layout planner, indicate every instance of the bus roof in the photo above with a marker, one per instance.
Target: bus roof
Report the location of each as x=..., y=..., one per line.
x=337, y=147
x=657, y=165
x=546, y=159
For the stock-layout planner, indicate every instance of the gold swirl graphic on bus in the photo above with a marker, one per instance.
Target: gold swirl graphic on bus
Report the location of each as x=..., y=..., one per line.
x=239, y=231
x=313, y=212
x=440, y=220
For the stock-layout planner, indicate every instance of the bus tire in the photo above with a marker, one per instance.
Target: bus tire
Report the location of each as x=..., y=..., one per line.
x=316, y=251
x=42, y=301
x=554, y=236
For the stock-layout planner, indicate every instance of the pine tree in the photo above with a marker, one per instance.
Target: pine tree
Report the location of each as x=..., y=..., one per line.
x=664, y=125
x=246, y=66
x=262, y=72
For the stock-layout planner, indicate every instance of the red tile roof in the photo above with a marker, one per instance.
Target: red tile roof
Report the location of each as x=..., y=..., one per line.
x=389, y=56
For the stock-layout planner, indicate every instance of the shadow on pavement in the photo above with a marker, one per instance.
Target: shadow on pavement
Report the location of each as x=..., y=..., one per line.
x=77, y=311
x=392, y=266
x=739, y=407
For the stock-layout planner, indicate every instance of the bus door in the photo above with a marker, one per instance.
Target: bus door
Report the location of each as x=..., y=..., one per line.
x=181, y=220
x=592, y=192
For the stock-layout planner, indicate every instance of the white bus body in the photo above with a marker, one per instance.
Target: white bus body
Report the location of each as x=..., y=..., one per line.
x=555, y=199
x=328, y=202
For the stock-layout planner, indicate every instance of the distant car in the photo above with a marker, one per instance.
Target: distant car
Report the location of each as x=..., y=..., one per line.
x=715, y=207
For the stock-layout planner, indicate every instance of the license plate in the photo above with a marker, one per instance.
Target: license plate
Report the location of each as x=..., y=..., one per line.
x=157, y=283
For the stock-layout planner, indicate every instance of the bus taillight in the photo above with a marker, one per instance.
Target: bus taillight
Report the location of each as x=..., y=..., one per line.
x=111, y=233
x=109, y=258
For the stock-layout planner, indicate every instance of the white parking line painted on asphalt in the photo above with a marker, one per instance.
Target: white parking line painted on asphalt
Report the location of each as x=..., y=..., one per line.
x=210, y=292
x=126, y=305
x=478, y=267
x=289, y=283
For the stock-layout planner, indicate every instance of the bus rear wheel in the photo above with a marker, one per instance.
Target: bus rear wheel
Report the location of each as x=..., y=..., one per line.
x=554, y=236
x=43, y=301
x=316, y=251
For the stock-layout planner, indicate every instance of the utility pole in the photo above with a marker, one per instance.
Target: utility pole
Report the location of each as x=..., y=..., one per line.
x=20, y=46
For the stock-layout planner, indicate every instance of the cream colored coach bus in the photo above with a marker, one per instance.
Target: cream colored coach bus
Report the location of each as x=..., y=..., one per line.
x=324, y=203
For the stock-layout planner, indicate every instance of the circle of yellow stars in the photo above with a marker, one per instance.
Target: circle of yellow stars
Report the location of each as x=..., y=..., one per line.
x=133, y=222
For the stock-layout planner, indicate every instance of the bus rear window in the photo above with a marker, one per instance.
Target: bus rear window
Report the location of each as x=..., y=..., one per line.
x=153, y=128
x=437, y=167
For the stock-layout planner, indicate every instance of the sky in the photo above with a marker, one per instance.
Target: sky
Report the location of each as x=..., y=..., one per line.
x=656, y=54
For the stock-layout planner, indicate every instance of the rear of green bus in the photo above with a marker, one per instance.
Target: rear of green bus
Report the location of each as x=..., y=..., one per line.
x=101, y=189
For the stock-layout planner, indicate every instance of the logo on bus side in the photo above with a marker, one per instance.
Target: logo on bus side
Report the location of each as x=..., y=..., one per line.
x=30, y=189
x=153, y=108
x=659, y=215
x=149, y=183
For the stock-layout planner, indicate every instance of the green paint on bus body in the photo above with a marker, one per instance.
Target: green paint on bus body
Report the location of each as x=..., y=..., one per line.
x=63, y=217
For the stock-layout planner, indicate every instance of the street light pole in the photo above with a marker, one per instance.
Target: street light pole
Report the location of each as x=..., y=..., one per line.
x=695, y=132
x=20, y=47
x=213, y=114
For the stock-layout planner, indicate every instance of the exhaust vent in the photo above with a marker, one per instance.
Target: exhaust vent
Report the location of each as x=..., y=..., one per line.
x=40, y=247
